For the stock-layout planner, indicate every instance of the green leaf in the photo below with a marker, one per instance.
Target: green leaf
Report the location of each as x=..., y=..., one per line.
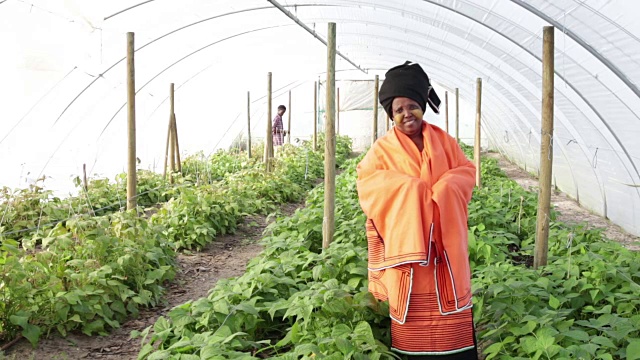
x=233, y=336
x=553, y=302
x=601, y=340
x=344, y=345
x=633, y=349
x=295, y=332
x=247, y=308
x=492, y=350
x=354, y=282
x=523, y=330
x=306, y=349
x=577, y=335
x=340, y=331
x=160, y=355
x=96, y=326
x=363, y=329
x=31, y=333
x=20, y=320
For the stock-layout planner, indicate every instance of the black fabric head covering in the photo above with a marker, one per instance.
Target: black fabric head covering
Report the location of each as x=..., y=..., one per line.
x=410, y=81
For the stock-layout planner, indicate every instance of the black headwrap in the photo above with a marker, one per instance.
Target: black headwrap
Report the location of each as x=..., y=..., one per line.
x=410, y=81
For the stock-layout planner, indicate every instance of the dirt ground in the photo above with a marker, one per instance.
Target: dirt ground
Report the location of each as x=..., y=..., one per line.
x=571, y=212
x=225, y=257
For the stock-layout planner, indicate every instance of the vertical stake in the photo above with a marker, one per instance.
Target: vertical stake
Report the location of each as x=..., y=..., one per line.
x=338, y=112
x=446, y=111
x=268, y=141
x=374, y=133
x=289, y=120
x=175, y=137
x=457, y=114
x=328, y=225
x=546, y=149
x=476, y=148
x=131, y=123
x=249, y=124
x=84, y=177
x=315, y=116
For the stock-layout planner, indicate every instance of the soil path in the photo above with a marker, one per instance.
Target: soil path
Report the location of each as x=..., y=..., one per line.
x=198, y=272
x=570, y=211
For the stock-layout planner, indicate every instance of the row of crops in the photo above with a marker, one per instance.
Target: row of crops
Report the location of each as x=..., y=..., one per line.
x=296, y=301
x=81, y=263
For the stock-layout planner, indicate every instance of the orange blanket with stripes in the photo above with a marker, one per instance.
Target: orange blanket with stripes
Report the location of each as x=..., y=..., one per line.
x=416, y=205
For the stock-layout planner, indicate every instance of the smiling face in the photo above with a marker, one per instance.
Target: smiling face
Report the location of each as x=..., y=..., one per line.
x=407, y=115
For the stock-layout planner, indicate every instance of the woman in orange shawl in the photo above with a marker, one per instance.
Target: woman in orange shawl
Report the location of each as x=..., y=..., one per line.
x=414, y=185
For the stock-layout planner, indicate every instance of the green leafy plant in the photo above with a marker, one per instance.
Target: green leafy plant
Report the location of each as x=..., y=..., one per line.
x=93, y=270
x=294, y=301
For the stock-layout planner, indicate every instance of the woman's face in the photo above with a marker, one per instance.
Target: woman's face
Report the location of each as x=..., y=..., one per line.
x=407, y=115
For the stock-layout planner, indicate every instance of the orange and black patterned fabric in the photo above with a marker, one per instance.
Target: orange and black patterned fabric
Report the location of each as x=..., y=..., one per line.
x=416, y=205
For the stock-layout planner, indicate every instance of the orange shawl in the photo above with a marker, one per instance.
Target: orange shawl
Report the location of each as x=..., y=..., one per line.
x=416, y=202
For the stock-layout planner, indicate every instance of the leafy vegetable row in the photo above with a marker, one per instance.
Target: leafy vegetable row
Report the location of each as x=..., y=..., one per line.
x=296, y=301
x=93, y=272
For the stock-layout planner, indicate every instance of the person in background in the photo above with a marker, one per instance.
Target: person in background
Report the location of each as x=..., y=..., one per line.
x=414, y=185
x=277, y=128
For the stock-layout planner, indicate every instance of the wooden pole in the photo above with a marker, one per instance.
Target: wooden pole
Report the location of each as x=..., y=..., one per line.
x=175, y=137
x=172, y=140
x=84, y=177
x=446, y=111
x=268, y=141
x=338, y=112
x=328, y=225
x=457, y=114
x=172, y=150
x=289, y=120
x=249, y=124
x=176, y=165
x=476, y=148
x=131, y=123
x=166, y=151
x=315, y=116
x=546, y=149
x=374, y=133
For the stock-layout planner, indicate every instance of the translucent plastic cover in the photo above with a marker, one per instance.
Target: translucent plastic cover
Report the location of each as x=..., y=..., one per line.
x=62, y=71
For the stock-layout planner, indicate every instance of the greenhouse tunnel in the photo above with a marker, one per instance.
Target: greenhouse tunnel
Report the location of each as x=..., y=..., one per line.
x=63, y=75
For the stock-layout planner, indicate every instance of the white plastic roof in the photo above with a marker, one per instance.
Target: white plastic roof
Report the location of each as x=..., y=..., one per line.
x=63, y=77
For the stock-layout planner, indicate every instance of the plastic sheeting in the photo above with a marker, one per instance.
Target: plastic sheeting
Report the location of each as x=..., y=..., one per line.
x=63, y=77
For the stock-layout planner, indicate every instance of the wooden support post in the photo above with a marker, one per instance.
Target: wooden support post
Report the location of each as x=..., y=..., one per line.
x=476, y=148
x=175, y=138
x=328, y=225
x=289, y=120
x=374, y=133
x=175, y=161
x=172, y=150
x=172, y=140
x=315, y=116
x=268, y=141
x=457, y=114
x=166, y=151
x=131, y=123
x=546, y=149
x=85, y=184
x=446, y=111
x=249, y=124
x=169, y=132
x=338, y=112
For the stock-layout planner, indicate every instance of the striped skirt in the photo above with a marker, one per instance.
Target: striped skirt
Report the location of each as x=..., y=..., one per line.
x=426, y=333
